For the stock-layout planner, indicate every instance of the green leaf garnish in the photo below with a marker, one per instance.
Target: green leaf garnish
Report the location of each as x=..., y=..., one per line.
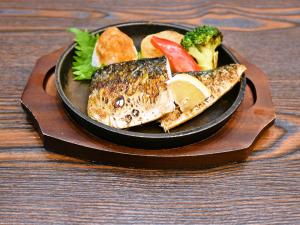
x=139, y=56
x=85, y=43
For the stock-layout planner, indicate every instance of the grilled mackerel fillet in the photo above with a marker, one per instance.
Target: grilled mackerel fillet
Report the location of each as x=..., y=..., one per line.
x=130, y=93
x=219, y=81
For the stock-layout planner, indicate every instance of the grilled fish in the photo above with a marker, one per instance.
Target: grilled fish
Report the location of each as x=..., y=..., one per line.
x=219, y=81
x=130, y=93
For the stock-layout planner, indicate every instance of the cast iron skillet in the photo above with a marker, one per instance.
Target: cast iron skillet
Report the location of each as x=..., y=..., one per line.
x=74, y=95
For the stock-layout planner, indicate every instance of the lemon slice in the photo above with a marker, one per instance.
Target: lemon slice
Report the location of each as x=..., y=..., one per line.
x=187, y=91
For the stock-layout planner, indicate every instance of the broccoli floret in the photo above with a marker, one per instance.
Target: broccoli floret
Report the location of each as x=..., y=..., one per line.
x=201, y=43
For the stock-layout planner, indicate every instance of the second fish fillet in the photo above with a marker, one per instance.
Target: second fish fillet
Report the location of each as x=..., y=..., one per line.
x=218, y=81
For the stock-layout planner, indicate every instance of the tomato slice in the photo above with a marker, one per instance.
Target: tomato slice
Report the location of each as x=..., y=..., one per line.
x=180, y=60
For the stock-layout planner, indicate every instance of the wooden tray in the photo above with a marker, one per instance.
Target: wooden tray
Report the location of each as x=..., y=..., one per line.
x=60, y=134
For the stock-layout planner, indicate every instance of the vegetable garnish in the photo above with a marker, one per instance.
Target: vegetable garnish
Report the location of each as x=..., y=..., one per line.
x=179, y=59
x=140, y=56
x=149, y=51
x=85, y=43
x=201, y=43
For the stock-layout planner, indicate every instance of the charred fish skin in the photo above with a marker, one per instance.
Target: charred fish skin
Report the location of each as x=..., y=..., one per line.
x=130, y=93
x=129, y=71
x=218, y=81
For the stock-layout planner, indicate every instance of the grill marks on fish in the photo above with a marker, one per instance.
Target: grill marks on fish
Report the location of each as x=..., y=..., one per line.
x=130, y=93
x=219, y=81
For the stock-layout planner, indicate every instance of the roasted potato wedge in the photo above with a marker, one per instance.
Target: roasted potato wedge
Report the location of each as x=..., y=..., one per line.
x=113, y=46
x=149, y=51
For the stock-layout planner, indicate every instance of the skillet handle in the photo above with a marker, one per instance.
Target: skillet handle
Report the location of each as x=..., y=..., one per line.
x=262, y=111
x=36, y=82
x=34, y=98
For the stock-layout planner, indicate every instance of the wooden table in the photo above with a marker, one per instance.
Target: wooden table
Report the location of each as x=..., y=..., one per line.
x=40, y=187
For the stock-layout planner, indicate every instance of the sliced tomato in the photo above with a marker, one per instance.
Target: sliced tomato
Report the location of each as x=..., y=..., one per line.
x=180, y=60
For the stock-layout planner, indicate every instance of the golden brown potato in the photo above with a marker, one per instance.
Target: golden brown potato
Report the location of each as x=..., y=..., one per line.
x=149, y=51
x=113, y=46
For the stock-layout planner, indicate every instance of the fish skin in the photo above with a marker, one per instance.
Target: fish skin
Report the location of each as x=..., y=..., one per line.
x=130, y=93
x=218, y=81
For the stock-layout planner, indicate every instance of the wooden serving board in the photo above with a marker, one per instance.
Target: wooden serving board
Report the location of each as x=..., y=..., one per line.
x=233, y=143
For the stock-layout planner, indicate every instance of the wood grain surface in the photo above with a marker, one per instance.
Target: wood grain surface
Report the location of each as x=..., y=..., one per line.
x=39, y=187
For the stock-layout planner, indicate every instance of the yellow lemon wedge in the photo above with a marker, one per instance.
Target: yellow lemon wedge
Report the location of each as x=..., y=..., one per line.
x=187, y=91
